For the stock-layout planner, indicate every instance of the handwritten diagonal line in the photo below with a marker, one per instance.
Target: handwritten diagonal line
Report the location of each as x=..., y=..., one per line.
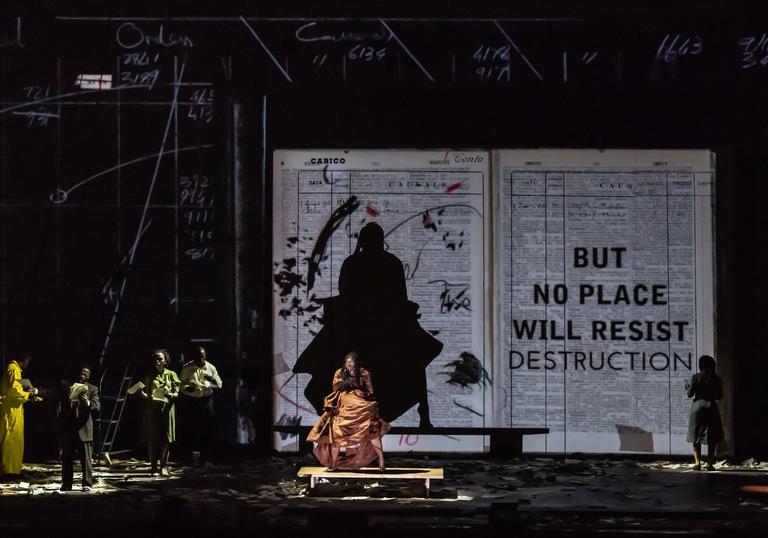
x=141, y=228
x=168, y=123
x=37, y=114
x=517, y=49
x=71, y=94
x=408, y=52
x=436, y=208
x=293, y=403
x=323, y=19
x=64, y=194
x=266, y=49
x=105, y=288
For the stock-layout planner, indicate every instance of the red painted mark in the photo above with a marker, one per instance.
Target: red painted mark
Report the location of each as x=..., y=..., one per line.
x=408, y=440
x=453, y=187
x=372, y=210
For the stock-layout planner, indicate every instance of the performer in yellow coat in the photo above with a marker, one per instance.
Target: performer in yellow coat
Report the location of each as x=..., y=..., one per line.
x=13, y=396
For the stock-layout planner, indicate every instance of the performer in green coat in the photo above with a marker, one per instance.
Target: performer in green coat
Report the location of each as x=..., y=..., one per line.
x=158, y=431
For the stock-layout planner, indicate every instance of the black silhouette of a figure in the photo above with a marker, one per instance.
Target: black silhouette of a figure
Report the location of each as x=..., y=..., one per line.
x=373, y=316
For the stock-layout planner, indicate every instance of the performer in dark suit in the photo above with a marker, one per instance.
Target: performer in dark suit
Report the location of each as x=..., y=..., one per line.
x=77, y=404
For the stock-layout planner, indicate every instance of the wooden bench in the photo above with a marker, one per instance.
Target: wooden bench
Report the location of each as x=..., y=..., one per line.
x=406, y=473
x=505, y=442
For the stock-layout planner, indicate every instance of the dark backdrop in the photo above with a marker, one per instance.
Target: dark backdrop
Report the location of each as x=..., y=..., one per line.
x=477, y=75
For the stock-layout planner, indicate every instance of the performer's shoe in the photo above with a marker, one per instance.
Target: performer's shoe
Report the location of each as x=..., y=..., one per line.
x=65, y=488
x=710, y=467
x=87, y=489
x=165, y=472
x=697, y=467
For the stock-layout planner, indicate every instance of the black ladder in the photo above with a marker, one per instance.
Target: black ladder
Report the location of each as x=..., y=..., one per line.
x=112, y=407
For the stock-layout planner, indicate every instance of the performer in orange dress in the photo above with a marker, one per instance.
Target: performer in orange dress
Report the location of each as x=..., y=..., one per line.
x=351, y=420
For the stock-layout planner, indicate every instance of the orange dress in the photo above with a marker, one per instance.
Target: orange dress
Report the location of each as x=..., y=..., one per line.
x=349, y=420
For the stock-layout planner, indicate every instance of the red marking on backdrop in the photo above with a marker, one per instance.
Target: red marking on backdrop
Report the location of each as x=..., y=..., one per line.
x=408, y=439
x=372, y=210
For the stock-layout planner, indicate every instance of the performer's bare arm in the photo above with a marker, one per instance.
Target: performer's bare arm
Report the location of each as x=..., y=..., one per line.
x=338, y=382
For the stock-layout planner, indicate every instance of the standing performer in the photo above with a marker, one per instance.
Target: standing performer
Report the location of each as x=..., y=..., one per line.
x=199, y=379
x=158, y=425
x=14, y=396
x=704, y=424
x=351, y=420
x=78, y=402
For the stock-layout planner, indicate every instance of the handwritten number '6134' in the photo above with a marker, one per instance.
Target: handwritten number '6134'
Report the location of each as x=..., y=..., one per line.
x=366, y=53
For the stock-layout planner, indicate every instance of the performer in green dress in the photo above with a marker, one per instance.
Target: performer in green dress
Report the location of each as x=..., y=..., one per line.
x=158, y=431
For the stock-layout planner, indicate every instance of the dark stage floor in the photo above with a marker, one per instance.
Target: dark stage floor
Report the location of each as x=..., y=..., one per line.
x=532, y=496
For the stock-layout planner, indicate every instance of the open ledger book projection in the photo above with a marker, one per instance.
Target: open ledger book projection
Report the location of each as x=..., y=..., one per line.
x=585, y=313
x=412, y=301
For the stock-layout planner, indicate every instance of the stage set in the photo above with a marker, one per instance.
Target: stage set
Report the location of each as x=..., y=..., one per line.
x=382, y=267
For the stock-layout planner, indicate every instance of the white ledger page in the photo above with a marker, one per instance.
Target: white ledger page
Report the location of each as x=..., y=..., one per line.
x=433, y=207
x=604, y=294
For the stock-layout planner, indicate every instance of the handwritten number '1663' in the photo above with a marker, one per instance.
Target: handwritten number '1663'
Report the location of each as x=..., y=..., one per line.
x=675, y=46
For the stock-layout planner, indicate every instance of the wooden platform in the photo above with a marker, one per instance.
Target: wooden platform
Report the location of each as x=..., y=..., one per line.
x=407, y=473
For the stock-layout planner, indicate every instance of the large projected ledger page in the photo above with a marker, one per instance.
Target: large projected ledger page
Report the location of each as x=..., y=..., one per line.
x=604, y=294
x=431, y=206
